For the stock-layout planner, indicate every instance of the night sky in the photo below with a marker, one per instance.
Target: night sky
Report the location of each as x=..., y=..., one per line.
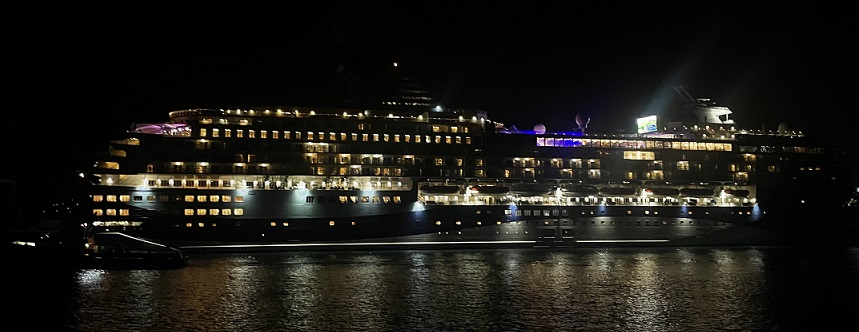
x=81, y=76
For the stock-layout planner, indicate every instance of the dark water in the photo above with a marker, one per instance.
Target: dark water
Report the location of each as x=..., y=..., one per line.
x=654, y=289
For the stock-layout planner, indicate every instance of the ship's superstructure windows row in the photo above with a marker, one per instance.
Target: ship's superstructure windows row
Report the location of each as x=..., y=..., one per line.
x=341, y=137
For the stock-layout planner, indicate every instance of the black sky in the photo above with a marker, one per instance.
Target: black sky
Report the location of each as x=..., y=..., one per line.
x=83, y=75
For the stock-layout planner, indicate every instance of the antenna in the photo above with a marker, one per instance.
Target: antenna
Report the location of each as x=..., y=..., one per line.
x=683, y=94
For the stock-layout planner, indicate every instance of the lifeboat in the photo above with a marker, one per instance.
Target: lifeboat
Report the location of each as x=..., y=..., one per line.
x=617, y=191
x=439, y=189
x=533, y=188
x=737, y=192
x=697, y=192
x=663, y=191
x=580, y=190
x=491, y=190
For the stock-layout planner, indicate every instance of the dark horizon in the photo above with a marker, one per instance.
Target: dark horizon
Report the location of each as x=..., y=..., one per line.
x=524, y=64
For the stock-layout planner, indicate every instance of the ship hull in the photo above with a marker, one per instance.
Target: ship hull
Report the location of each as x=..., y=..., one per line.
x=270, y=222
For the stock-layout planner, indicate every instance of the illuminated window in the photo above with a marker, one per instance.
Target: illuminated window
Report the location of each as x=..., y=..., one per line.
x=97, y=198
x=97, y=212
x=239, y=199
x=238, y=211
x=111, y=198
x=189, y=198
x=226, y=212
x=214, y=212
x=201, y=198
x=189, y=212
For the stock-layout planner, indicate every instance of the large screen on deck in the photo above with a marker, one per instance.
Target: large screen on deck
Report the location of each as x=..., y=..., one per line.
x=646, y=124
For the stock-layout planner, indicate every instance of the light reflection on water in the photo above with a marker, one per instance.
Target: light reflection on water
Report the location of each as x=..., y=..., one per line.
x=668, y=289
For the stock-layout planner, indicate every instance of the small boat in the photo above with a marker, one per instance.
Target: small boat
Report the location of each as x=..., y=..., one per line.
x=112, y=259
x=118, y=251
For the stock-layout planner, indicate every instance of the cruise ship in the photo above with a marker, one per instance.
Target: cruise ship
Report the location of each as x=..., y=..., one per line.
x=408, y=173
